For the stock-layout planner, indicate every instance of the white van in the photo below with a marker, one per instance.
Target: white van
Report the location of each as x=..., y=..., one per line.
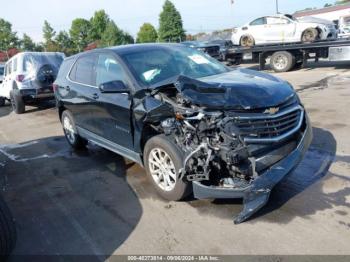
x=28, y=78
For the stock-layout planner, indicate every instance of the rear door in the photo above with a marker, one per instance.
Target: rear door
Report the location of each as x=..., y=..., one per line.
x=112, y=116
x=79, y=95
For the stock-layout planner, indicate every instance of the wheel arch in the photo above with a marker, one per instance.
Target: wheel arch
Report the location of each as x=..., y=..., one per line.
x=246, y=35
x=319, y=31
x=317, y=28
x=61, y=108
x=146, y=134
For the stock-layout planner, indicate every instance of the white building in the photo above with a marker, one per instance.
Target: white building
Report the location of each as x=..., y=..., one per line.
x=332, y=13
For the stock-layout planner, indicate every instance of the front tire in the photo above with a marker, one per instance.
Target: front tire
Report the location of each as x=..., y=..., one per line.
x=70, y=131
x=247, y=41
x=163, y=160
x=2, y=101
x=309, y=35
x=17, y=103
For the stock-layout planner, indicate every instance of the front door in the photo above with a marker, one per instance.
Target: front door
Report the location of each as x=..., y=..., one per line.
x=112, y=118
x=257, y=29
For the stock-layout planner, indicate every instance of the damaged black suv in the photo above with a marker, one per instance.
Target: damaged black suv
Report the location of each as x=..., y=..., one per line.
x=193, y=123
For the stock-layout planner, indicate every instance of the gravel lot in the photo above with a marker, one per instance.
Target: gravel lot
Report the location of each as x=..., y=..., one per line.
x=96, y=203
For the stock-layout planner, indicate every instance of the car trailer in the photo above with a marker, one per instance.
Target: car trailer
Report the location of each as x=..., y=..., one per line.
x=285, y=57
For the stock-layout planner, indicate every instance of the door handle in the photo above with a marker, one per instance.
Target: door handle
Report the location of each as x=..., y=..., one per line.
x=67, y=88
x=95, y=96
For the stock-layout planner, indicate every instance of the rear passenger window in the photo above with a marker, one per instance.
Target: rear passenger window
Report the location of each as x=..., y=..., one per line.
x=84, y=70
x=108, y=70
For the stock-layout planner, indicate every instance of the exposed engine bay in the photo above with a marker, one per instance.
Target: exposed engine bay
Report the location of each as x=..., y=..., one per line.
x=211, y=144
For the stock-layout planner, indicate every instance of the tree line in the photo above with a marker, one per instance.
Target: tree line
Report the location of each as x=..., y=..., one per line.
x=100, y=30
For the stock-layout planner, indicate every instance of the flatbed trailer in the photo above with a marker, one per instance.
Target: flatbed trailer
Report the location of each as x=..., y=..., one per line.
x=288, y=56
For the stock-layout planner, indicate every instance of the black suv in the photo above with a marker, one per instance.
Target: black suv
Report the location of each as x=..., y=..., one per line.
x=193, y=123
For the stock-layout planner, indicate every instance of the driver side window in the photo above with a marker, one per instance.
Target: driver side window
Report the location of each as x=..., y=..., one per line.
x=108, y=70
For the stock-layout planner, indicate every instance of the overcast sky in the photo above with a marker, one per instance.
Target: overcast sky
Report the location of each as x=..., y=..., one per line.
x=198, y=15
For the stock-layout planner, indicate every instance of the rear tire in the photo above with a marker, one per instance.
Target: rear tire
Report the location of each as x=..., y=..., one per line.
x=247, y=41
x=70, y=131
x=309, y=35
x=282, y=61
x=7, y=231
x=17, y=103
x=164, y=174
x=2, y=101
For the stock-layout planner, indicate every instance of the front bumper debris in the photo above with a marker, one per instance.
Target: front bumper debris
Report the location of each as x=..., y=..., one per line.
x=256, y=194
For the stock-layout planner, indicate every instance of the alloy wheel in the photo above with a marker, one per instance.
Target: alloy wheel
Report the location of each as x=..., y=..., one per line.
x=280, y=62
x=162, y=169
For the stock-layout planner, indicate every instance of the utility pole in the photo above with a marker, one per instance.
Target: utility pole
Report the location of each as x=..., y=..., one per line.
x=277, y=11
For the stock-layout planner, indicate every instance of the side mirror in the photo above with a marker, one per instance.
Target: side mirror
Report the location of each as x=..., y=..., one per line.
x=114, y=87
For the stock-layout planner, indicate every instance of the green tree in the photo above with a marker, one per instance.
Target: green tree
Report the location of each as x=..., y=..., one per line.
x=8, y=38
x=127, y=38
x=99, y=24
x=147, y=34
x=79, y=33
x=39, y=47
x=27, y=44
x=48, y=33
x=64, y=42
x=114, y=36
x=170, y=24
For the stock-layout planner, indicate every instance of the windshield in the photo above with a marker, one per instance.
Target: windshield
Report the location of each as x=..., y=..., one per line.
x=151, y=66
x=1, y=71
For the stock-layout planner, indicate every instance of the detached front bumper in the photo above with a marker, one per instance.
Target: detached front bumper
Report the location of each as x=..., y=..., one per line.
x=256, y=194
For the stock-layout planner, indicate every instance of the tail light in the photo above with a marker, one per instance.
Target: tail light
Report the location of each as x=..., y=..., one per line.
x=20, y=78
x=55, y=87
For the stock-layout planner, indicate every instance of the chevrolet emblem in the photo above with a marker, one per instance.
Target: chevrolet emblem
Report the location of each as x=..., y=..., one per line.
x=272, y=110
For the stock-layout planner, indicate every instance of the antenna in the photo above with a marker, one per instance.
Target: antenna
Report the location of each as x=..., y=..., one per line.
x=277, y=9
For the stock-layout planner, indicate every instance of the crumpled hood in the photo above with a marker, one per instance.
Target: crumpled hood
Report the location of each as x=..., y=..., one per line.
x=237, y=89
x=315, y=20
